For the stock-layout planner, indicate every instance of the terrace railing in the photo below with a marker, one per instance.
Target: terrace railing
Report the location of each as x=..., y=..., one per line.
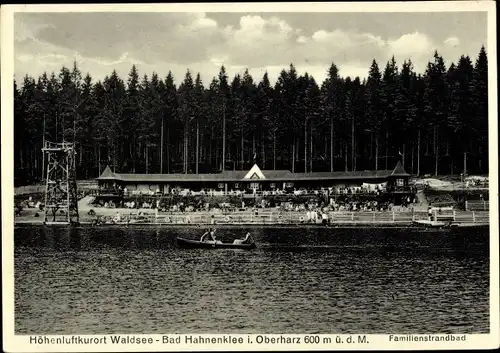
x=480, y=205
x=292, y=217
x=246, y=194
x=409, y=189
x=109, y=192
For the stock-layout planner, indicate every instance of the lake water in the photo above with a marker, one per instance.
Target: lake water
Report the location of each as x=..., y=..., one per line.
x=135, y=280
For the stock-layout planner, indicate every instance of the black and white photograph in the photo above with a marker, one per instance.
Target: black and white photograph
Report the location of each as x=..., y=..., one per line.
x=250, y=172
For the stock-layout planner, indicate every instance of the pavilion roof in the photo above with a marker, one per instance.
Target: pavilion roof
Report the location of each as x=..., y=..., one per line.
x=254, y=173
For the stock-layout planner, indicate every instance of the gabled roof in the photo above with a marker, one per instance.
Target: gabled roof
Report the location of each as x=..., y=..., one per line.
x=222, y=177
x=107, y=174
x=278, y=174
x=362, y=174
x=232, y=174
x=255, y=172
x=399, y=171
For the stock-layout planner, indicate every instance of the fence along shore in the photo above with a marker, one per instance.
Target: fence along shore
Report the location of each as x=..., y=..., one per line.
x=476, y=213
x=273, y=217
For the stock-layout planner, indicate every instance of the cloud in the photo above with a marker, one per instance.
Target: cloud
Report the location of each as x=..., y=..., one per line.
x=452, y=42
x=411, y=44
x=353, y=71
x=302, y=39
x=101, y=42
x=25, y=30
x=256, y=40
x=177, y=38
x=344, y=39
x=202, y=23
x=260, y=41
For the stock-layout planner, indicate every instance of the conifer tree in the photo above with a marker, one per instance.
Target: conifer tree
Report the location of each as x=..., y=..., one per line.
x=430, y=121
x=170, y=109
x=186, y=114
x=330, y=102
x=131, y=111
x=373, y=116
x=480, y=94
x=199, y=116
x=265, y=120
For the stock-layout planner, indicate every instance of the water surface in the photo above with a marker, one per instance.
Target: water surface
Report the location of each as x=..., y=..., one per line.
x=135, y=280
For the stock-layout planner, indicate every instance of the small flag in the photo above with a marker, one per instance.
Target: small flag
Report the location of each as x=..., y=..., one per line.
x=255, y=156
x=400, y=154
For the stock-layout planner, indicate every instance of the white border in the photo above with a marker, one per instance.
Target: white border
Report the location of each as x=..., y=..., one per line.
x=18, y=343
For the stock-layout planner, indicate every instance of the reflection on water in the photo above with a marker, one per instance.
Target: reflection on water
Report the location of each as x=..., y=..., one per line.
x=135, y=280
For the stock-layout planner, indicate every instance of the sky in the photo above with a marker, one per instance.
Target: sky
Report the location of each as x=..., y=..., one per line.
x=260, y=42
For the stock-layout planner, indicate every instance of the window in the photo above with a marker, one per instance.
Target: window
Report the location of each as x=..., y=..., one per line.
x=273, y=185
x=221, y=185
x=254, y=185
x=289, y=185
x=236, y=186
x=400, y=182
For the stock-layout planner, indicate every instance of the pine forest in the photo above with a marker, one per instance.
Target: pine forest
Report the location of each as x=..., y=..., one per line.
x=433, y=121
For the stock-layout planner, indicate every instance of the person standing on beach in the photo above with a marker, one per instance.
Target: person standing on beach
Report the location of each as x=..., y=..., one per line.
x=324, y=218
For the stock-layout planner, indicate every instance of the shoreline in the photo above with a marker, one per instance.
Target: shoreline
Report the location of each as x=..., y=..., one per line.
x=340, y=224
x=263, y=217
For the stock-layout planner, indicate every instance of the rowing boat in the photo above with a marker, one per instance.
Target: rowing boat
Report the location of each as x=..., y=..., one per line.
x=188, y=243
x=431, y=224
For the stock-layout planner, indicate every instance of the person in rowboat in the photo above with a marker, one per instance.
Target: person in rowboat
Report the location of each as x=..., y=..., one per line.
x=244, y=240
x=211, y=234
x=205, y=235
x=214, y=237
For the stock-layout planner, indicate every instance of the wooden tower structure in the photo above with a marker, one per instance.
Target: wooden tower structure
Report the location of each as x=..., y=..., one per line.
x=61, y=198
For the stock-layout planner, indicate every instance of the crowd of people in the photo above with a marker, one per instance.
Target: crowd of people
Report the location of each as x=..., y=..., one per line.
x=342, y=203
x=476, y=182
x=374, y=189
x=365, y=188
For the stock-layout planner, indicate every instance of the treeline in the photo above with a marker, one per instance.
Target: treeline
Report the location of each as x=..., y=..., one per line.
x=149, y=124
